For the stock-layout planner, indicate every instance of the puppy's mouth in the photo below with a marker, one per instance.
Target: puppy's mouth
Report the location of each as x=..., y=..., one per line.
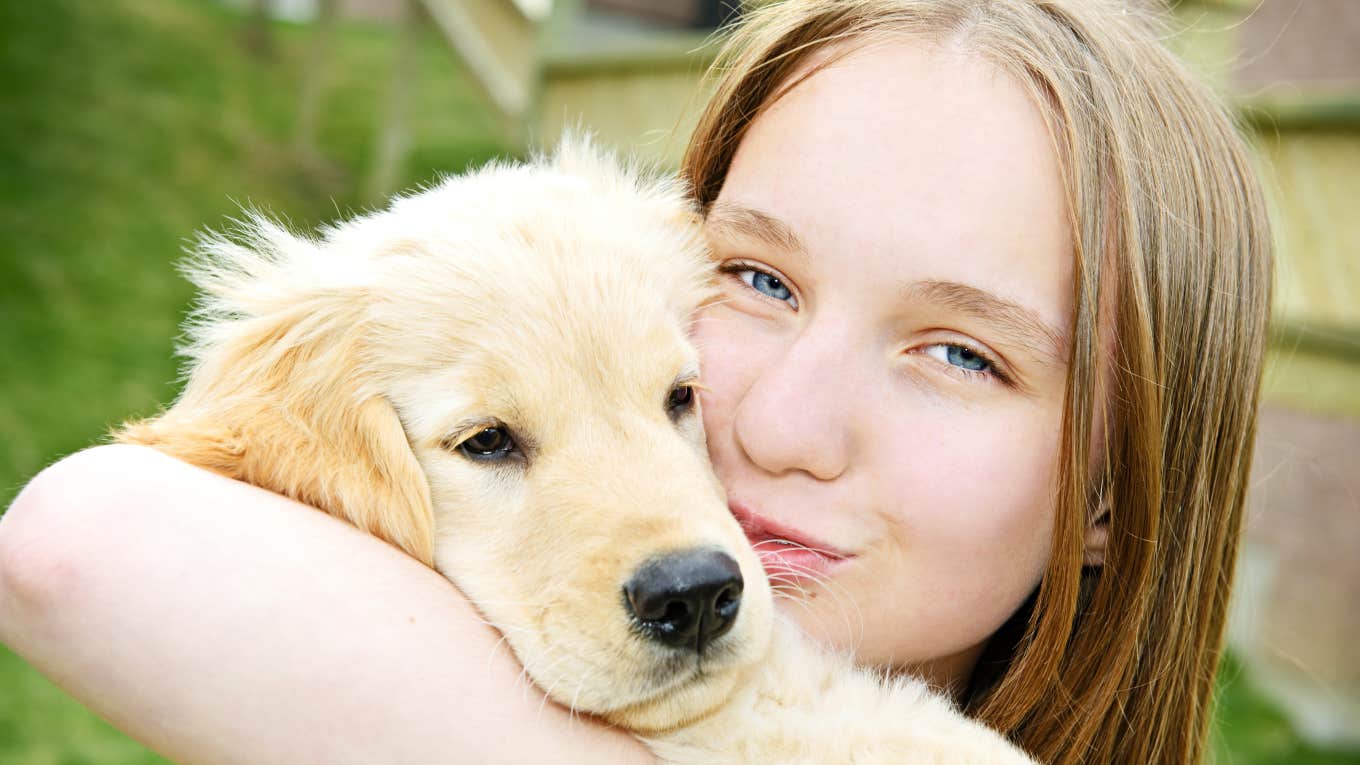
x=678, y=689
x=682, y=667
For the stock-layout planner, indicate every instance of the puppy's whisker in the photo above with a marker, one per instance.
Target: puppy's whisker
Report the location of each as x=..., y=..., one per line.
x=783, y=577
x=792, y=592
x=526, y=683
x=852, y=617
x=788, y=592
x=543, y=665
x=547, y=692
x=572, y=709
x=502, y=642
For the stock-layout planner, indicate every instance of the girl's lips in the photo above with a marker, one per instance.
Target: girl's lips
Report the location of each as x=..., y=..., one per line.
x=786, y=552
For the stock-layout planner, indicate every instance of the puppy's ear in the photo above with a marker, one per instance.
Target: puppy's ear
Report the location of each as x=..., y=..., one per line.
x=279, y=395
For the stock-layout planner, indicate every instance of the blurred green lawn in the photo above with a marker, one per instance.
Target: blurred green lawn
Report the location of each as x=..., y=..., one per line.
x=126, y=126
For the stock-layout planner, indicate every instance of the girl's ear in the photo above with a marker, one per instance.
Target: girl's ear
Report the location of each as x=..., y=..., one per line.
x=278, y=396
x=1097, y=537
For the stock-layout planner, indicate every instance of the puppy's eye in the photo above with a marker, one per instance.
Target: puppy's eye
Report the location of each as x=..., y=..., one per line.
x=680, y=400
x=488, y=444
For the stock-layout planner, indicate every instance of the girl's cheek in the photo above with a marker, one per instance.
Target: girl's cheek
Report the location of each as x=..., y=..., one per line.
x=970, y=476
x=732, y=351
x=718, y=370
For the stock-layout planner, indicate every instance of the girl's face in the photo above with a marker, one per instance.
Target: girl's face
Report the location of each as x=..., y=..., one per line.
x=886, y=370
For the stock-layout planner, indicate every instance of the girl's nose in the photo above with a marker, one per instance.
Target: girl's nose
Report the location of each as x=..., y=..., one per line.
x=796, y=415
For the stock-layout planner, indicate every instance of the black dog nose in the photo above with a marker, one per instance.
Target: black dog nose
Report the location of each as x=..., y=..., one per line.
x=686, y=599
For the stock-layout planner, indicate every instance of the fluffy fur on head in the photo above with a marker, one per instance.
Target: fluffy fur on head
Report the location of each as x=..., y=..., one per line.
x=280, y=391
x=490, y=374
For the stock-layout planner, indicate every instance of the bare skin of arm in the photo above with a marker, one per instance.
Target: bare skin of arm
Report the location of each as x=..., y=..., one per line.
x=219, y=623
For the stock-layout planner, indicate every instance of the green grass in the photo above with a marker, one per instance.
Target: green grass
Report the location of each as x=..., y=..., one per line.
x=41, y=725
x=1252, y=731
x=126, y=126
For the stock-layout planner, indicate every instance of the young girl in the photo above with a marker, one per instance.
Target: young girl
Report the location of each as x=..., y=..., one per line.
x=996, y=277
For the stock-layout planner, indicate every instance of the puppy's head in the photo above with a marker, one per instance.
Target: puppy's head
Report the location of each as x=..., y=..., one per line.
x=494, y=375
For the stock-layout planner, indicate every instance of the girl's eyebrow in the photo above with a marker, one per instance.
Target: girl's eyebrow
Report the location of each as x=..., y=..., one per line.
x=1022, y=325
x=727, y=220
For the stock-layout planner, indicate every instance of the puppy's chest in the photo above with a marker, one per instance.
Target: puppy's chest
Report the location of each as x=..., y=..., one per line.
x=803, y=707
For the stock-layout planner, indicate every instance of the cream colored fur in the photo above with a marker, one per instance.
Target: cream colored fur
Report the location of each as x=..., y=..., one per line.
x=552, y=298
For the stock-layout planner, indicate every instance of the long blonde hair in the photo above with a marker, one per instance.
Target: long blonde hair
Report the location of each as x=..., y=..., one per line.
x=1112, y=663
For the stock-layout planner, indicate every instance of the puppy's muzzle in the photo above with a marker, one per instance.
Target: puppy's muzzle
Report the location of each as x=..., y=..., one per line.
x=685, y=600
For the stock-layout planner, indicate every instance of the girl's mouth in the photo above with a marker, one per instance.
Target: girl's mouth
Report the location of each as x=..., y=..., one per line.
x=787, y=553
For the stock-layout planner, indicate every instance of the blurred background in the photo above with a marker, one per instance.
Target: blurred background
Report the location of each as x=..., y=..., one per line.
x=128, y=125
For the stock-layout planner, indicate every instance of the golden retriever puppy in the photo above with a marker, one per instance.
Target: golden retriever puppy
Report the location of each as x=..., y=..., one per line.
x=493, y=375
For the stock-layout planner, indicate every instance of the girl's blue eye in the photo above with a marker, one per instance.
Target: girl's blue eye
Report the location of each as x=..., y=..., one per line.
x=767, y=284
x=963, y=357
x=959, y=356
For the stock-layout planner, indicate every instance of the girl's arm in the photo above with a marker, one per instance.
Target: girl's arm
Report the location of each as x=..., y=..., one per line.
x=219, y=623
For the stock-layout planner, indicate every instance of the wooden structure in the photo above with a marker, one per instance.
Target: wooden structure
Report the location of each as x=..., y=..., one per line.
x=552, y=64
